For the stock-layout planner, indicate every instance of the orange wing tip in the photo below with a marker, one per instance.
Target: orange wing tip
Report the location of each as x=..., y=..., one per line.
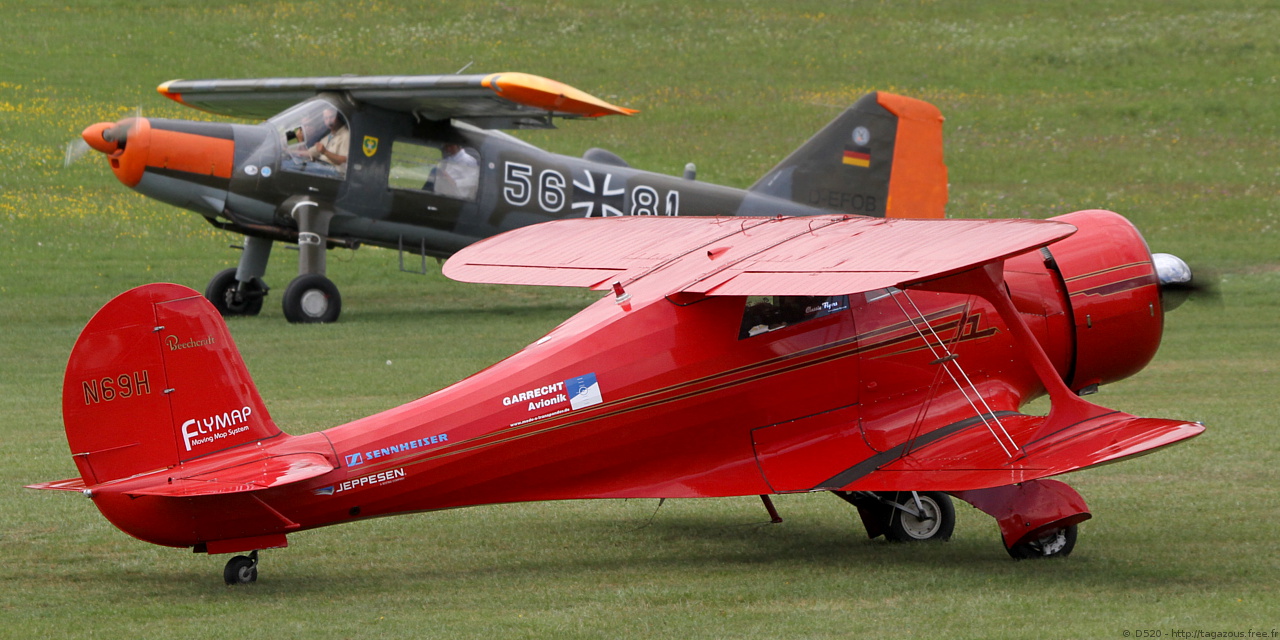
x=164, y=91
x=544, y=93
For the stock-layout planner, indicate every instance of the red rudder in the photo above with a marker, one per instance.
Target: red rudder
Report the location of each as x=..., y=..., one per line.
x=155, y=379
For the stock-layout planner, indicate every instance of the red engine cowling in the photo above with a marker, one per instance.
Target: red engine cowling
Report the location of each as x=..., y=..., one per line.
x=1114, y=297
x=1093, y=299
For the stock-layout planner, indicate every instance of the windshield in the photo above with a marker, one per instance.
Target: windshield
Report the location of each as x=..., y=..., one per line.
x=315, y=138
x=771, y=313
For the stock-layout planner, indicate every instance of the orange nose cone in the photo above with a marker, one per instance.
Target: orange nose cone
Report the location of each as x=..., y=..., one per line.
x=93, y=137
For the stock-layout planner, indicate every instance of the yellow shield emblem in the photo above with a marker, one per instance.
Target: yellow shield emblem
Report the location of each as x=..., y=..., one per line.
x=370, y=146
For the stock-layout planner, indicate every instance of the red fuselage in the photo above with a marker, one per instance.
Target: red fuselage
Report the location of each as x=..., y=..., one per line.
x=659, y=397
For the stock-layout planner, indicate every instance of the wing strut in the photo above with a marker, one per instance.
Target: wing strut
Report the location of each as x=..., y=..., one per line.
x=1066, y=408
x=947, y=359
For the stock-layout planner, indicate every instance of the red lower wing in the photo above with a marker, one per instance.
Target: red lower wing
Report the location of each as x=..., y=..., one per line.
x=969, y=455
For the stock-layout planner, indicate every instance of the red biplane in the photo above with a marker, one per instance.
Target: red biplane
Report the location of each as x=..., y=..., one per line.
x=883, y=360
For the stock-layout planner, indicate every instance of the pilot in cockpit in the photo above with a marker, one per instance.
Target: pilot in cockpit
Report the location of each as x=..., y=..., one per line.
x=332, y=149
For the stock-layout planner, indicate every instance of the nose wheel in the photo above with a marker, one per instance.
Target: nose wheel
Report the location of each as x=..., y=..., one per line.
x=241, y=569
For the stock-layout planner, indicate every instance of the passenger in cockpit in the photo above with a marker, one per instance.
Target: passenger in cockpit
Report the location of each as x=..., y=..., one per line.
x=458, y=174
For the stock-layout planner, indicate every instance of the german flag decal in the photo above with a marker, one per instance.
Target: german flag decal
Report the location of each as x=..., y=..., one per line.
x=857, y=157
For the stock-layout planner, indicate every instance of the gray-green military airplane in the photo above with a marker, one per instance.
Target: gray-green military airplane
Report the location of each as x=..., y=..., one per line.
x=419, y=164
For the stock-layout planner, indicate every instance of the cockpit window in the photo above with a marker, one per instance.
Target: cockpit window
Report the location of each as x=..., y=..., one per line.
x=771, y=313
x=443, y=168
x=316, y=138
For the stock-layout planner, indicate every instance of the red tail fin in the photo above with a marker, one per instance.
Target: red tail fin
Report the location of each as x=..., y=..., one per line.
x=155, y=380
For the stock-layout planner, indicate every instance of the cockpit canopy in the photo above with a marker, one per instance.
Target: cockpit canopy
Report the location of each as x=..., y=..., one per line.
x=301, y=127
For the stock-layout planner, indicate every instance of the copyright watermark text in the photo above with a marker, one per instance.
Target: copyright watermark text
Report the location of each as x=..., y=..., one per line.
x=1200, y=633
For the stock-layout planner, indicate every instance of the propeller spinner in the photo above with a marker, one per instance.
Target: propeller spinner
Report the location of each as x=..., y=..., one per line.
x=1177, y=281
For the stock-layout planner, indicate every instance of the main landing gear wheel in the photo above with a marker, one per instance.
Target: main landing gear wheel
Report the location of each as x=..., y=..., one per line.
x=1055, y=544
x=241, y=569
x=921, y=516
x=312, y=298
x=230, y=299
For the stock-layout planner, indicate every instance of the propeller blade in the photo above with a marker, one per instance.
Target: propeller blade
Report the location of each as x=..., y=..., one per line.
x=75, y=150
x=1180, y=283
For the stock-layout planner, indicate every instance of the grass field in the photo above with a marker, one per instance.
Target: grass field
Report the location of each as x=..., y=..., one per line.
x=1163, y=111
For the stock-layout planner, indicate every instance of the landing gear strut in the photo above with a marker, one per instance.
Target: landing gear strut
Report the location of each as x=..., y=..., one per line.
x=241, y=569
x=311, y=297
x=239, y=291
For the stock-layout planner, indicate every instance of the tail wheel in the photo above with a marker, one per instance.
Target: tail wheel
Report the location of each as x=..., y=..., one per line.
x=920, y=516
x=1056, y=544
x=312, y=298
x=232, y=299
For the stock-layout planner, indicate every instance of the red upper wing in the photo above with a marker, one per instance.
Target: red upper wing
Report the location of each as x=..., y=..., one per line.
x=820, y=255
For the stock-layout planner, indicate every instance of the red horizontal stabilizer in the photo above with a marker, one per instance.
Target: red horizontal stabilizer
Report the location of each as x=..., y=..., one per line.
x=70, y=484
x=967, y=455
x=221, y=474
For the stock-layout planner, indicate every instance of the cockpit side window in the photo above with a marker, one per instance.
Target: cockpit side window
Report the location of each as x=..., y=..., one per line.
x=443, y=168
x=316, y=138
x=771, y=313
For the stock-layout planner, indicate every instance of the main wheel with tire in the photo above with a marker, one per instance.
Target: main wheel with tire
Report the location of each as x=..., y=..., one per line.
x=312, y=298
x=232, y=299
x=1055, y=544
x=929, y=515
x=241, y=570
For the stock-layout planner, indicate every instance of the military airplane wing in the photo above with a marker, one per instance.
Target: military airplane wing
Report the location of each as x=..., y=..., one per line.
x=495, y=100
x=818, y=255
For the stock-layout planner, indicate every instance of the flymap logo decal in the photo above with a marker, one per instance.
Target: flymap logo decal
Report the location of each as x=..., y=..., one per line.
x=216, y=427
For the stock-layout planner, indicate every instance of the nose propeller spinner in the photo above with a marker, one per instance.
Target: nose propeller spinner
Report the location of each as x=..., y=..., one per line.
x=1177, y=280
x=106, y=137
